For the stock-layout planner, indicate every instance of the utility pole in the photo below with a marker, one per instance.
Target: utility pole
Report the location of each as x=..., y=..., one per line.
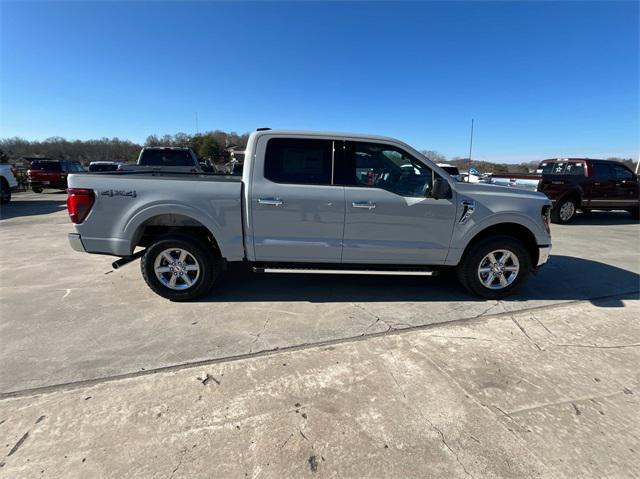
x=470, y=149
x=197, y=130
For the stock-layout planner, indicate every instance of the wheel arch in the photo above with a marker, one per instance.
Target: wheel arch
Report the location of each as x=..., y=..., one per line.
x=514, y=230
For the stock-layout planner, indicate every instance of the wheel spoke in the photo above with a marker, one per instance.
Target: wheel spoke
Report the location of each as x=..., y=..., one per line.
x=492, y=258
x=186, y=280
x=163, y=269
x=168, y=257
x=488, y=281
x=511, y=269
x=484, y=270
x=192, y=267
x=183, y=256
x=172, y=281
x=505, y=257
x=503, y=280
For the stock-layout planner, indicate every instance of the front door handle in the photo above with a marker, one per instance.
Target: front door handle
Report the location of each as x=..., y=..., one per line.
x=270, y=201
x=364, y=204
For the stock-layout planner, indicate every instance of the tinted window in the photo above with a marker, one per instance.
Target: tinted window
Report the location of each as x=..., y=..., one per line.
x=103, y=167
x=546, y=167
x=452, y=170
x=46, y=165
x=303, y=162
x=386, y=167
x=162, y=157
x=574, y=168
x=601, y=171
x=621, y=173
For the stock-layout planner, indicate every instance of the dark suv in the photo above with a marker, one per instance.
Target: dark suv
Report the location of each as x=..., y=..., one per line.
x=46, y=173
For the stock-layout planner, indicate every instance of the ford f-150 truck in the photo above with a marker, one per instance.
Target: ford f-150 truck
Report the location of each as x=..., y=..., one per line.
x=579, y=183
x=312, y=203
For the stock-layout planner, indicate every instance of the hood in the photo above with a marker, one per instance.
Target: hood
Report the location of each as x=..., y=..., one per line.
x=485, y=190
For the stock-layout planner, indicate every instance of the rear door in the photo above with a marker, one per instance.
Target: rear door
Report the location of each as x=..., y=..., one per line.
x=297, y=214
x=602, y=191
x=390, y=216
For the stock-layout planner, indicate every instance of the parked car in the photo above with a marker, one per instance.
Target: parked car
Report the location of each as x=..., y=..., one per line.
x=301, y=206
x=580, y=184
x=452, y=170
x=472, y=176
x=8, y=182
x=159, y=158
x=46, y=173
x=96, y=166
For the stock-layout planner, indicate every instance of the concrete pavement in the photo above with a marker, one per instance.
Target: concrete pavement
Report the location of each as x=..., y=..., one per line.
x=550, y=392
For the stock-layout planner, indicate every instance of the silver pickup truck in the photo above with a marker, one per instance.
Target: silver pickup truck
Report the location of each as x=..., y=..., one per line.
x=312, y=203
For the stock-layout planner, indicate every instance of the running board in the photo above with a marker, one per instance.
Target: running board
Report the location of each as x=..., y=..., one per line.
x=395, y=272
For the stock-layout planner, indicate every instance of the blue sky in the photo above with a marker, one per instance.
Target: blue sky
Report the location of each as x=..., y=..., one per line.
x=540, y=79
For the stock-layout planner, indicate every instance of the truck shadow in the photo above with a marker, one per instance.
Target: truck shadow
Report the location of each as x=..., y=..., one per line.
x=564, y=278
x=603, y=218
x=25, y=206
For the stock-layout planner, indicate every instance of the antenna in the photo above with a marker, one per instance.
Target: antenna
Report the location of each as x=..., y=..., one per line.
x=470, y=149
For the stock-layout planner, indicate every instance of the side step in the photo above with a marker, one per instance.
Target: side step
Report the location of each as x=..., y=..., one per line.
x=370, y=271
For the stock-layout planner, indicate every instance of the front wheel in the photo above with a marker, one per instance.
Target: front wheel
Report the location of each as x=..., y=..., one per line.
x=180, y=268
x=495, y=267
x=37, y=189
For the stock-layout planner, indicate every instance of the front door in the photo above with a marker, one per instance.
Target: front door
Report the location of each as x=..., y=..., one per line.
x=297, y=215
x=391, y=216
x=625, y=186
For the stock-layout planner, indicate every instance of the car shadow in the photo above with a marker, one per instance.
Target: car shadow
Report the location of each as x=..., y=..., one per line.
x=603, y=218
x=563, y=278
x=26, y=206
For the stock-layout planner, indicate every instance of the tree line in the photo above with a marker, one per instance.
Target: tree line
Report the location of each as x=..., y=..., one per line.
x=211, y=145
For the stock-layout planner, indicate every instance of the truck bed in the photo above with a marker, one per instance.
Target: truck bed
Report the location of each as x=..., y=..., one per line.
x=126, y=202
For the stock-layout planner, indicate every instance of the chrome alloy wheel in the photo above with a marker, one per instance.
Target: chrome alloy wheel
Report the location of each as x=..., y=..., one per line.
x=567, y=210
x=498, y=269
x=176, y=268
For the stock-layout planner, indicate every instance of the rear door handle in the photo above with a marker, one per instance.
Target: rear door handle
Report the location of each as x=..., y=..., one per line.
x=270, y=201
x=364, y=204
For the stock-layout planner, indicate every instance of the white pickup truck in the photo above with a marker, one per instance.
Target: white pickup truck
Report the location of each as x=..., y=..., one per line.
x=312, y=202
x=8, y=182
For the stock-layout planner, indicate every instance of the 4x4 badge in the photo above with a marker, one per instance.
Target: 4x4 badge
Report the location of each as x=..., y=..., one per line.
x=113, y=193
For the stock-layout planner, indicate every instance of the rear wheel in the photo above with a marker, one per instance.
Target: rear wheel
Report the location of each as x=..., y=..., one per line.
x=37, y=189
x=495, y=267
x=564, y=211
x=180, y=268
x=5, y=191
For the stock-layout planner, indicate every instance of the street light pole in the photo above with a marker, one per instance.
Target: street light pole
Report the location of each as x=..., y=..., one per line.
x=470, y=149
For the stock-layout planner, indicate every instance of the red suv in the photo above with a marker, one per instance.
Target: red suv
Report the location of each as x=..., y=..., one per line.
x=46, y=173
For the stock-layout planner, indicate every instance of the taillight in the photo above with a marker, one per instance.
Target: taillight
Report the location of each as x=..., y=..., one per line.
x=79, y=203
x=120, y=168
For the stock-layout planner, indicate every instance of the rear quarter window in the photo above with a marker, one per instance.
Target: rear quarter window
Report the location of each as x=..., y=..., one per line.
x=298, y=161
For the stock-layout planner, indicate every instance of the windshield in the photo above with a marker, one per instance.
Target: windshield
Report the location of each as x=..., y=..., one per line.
x=46, y=165
x=166, y=157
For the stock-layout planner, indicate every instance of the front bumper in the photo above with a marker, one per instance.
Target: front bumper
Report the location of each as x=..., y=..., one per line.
x=76, y=242
x=543, y=255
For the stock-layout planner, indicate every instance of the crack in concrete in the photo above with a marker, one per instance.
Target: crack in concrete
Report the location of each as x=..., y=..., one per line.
x=184, y=451
x=524, y=331
x=597, y=346
x=264, y=327
x=562, y=403
x=428, y=421
x=18, y=444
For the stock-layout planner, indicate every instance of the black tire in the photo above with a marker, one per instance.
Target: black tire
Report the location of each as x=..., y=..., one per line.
x=635, y=213
x=468, y=273
x=5, y=191
x=203, y=255
x=560, y=217
x=37, y=189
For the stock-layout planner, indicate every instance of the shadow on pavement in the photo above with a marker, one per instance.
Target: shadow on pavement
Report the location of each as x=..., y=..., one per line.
x=603, y=218
x=27, y=206
x=563, y=278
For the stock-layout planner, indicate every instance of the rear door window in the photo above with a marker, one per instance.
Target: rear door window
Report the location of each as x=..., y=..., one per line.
x=574, y=168
x=299, y=161
x=602, y=171
x=166, y=157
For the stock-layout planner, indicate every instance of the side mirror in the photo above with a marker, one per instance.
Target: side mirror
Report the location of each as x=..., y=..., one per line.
x=441, y=189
